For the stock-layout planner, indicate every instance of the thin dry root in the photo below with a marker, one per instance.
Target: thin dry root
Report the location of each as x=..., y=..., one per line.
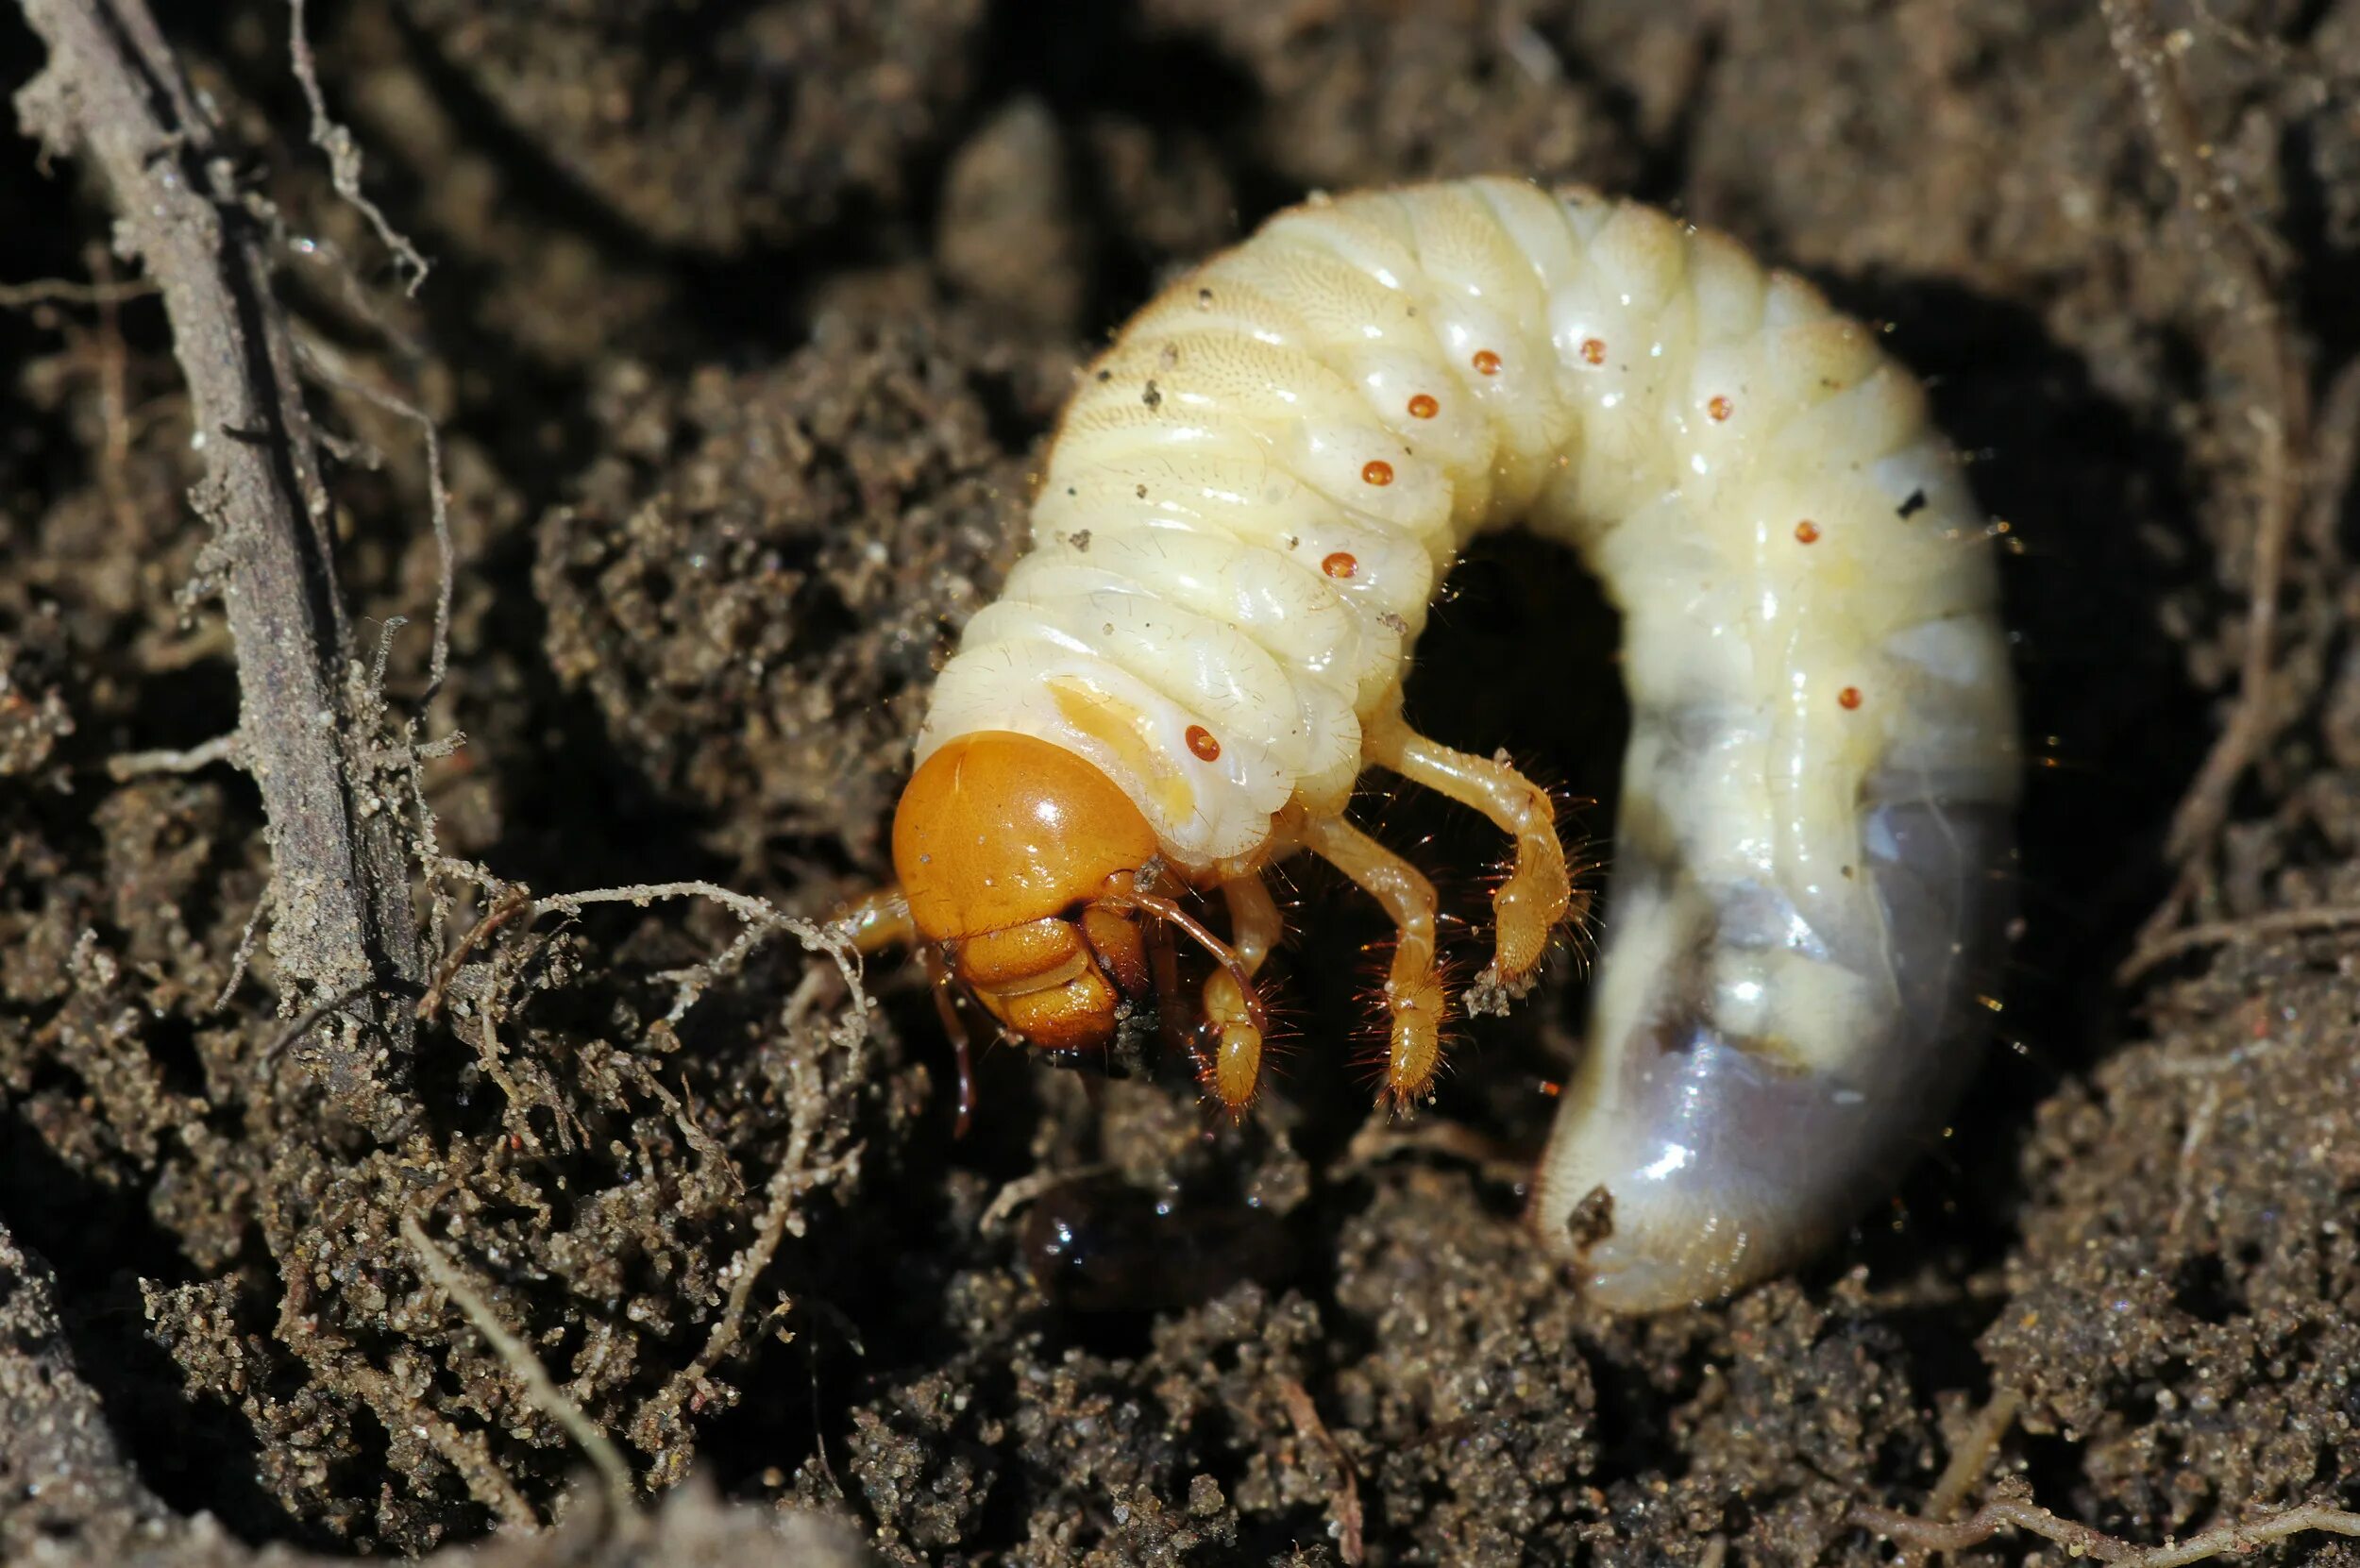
x=620, y=1489
x=1538, y=894
x=1345, y=1497
x=1929, y=1535
x=1972, y=1456
x=1414, y=993
x=2277, y=922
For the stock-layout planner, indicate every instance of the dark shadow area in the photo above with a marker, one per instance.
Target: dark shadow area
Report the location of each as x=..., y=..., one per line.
x=1104, y=58
x=199, y=1455
x=2112, y=728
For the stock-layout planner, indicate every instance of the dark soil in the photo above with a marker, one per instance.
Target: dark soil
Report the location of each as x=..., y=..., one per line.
x=745, y=322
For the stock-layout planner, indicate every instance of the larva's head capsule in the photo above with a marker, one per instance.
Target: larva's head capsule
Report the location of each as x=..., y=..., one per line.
x=1017, y=858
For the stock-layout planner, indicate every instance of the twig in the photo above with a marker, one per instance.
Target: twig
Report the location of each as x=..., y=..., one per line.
x=1344, y=1501
x=693, y=982
x=112, y=89
x=2079, y=1540
x=2278, y=923
x=2254, y=721
x=615, y=1476
x=343, y=154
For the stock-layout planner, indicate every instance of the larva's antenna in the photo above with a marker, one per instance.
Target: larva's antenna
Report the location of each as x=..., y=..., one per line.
x=1164, y=968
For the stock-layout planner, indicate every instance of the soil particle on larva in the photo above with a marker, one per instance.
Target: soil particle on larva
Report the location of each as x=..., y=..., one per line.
x=746, y=322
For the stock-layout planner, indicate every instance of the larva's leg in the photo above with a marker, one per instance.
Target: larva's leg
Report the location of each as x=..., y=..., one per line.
x=1413, y=988
x=1255, y=927
x=1539, y=892
x=1255, y=923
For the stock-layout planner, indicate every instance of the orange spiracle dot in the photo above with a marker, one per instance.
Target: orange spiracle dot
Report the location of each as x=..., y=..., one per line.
x=1594, y=350
x=1806, y=532
x=1487, y=362
x=1377, y=471
x=1849, y=697
x=1341, y=564
x=1200, y=741
x=1422, y=407
x=1720, y=408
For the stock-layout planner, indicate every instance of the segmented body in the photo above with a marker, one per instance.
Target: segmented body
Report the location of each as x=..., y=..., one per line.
x=1245, y=515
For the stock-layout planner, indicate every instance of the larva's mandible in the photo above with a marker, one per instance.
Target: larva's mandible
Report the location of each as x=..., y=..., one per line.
x=1239, y=529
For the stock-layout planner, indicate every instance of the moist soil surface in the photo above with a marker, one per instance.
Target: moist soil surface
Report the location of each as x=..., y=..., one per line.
x=745, y=325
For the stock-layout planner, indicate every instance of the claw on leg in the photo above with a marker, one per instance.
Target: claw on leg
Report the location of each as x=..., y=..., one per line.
x=1235, y=1070
x=1414, y=994
x=1539, y=892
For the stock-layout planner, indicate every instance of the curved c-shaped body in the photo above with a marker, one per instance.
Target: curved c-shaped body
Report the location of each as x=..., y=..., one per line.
x=1239, y=528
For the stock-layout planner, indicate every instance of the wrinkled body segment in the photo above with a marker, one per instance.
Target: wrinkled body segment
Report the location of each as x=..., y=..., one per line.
x=1249, y=507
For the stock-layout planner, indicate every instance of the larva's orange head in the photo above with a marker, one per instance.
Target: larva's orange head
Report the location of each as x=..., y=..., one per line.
x=999, y=836
x=999, y=830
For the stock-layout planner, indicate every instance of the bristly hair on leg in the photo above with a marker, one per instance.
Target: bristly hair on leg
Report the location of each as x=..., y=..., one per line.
x=1375, y=797
x=1373, y=1029
x=1586, y=861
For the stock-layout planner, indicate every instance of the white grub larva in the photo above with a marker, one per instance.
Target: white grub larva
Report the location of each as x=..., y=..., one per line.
x=1245, y=515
